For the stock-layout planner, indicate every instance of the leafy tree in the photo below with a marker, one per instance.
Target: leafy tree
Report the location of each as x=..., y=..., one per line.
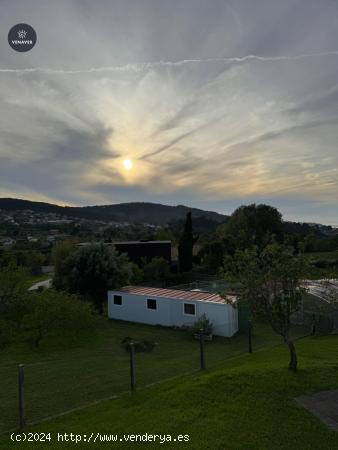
x=53, y=312
x=309, y=242
x=91, y=271
x=13, y=294
x=13, y=302
x=185, y=246
x=61, y=250
x=212, y=252
x=253, y=225
x=156, y=270
x=137, y=275
x=165, y=234
x=34, y=262
x=271, y=283
x=249, y=225
x=12, y=282
x=7, y=259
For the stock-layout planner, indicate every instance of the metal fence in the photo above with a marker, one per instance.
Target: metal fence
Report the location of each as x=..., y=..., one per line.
x=317, y=315
x=317, y=322
x=57, y=381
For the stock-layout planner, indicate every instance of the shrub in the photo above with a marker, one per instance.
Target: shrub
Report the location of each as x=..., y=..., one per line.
x=202, y=323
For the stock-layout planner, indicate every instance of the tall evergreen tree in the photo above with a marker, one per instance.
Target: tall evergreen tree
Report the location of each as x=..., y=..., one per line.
x=185, y=246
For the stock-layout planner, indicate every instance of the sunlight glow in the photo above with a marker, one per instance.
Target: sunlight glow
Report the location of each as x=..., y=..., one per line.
x=127, y=164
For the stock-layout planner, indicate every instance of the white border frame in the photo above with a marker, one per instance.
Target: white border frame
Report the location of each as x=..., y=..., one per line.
x=189, y=303
x=117, y=295
x=151, y=309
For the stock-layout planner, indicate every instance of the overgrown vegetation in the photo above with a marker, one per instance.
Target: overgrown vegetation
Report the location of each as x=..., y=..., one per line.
x=33, y=316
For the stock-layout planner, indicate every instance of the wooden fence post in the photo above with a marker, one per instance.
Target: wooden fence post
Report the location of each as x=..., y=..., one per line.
x=202, y=359
x=21, y=386
x=132, y=366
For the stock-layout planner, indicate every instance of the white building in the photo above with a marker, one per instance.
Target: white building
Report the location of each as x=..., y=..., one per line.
x=171, y=307
x=7, y=242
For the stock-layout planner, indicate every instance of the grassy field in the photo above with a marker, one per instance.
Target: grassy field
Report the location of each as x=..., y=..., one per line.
x=246, y=404
x=65, y=374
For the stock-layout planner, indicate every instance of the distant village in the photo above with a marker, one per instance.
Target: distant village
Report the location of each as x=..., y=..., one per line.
x=27, y=226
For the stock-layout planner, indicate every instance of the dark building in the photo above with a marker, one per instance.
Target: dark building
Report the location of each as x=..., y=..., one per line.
x=139, y=251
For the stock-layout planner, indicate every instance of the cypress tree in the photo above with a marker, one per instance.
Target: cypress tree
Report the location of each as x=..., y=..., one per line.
x=185, y=246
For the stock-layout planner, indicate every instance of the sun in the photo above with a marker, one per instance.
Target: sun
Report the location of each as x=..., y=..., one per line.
x=128, y=164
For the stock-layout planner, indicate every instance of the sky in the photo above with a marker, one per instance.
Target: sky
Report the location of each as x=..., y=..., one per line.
x=208, y=103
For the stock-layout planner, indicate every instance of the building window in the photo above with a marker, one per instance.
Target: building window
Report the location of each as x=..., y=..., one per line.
x=151, y=304
x=117, y=300
x=189, y=308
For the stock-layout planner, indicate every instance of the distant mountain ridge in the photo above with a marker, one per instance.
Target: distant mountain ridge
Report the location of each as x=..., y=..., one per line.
x=134, y=212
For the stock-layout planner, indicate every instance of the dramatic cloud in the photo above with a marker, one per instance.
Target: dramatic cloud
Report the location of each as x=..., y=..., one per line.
x=216, y=103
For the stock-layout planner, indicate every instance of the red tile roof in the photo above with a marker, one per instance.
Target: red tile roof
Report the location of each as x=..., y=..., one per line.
x=178, y=294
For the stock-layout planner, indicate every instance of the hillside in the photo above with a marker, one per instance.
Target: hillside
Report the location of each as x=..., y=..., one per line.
x=248, y=403
x=152, y=213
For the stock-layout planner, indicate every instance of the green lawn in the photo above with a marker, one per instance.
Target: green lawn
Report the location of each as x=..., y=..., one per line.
x=63, y=374
x=246, y=404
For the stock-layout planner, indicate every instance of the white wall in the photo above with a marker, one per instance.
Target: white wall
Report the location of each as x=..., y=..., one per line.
x=170, y=312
